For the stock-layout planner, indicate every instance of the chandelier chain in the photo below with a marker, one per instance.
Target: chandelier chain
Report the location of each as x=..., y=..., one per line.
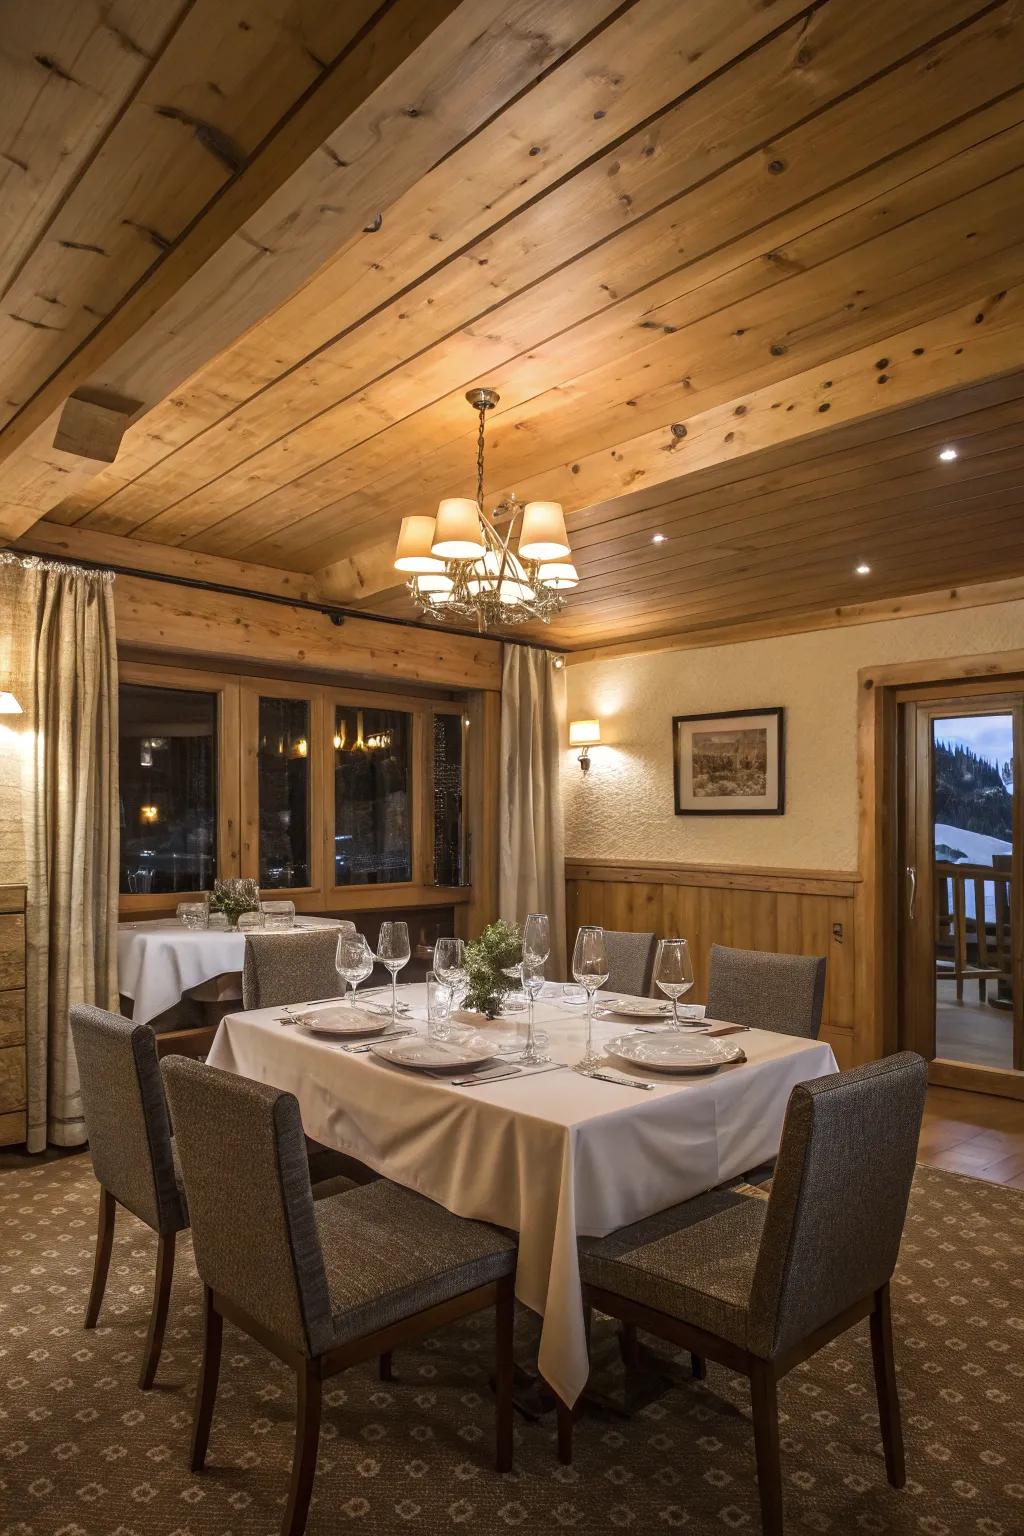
x=480, y=459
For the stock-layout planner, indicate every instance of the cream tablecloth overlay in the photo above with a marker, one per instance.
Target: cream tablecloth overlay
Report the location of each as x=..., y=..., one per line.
x=551, y=1155
x=159, y=961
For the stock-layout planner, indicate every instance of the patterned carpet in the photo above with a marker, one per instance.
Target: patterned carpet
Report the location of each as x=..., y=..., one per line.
x=84, y=1453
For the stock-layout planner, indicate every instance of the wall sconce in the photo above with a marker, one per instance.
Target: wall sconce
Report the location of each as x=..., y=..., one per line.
x=301, y=747
x=585, y=734
x=148, y=814
x=9, y=704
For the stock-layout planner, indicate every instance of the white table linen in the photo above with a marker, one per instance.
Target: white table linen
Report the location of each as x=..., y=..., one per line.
x=552, y=1155
x=159, y=961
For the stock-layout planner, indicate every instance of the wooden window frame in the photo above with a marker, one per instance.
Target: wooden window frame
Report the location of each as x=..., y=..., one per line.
x=252, y=691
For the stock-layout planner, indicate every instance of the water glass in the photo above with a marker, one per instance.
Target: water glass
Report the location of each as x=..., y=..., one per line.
x=590, y=967
x=393, y=952
x=193, y=914
x=278, y=915
x=536, y=949
x=450, y=964
x=439, y=1007
x=353, y=960
x=673, y=972
x=248, y=922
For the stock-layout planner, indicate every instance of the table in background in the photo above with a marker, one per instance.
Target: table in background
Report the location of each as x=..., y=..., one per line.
x=160, y=962
x=551, y=1156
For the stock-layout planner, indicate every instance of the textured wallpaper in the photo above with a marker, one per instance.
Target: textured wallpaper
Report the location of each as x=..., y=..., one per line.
x=623, y=809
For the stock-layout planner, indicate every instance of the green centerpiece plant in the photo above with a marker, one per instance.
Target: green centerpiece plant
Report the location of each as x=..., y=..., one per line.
x=233, y=897
x=488, y=960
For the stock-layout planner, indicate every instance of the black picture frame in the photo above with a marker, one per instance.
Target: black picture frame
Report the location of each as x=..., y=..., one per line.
x=683, y=729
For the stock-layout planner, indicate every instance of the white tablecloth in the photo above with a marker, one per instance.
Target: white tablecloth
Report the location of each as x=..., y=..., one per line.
x=550, y=1155
x=157, y=962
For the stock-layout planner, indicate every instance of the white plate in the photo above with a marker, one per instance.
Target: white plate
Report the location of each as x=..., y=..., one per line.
x=337, y=1020
x=674, y=1053
x=634, y=1008
x=431, y=1055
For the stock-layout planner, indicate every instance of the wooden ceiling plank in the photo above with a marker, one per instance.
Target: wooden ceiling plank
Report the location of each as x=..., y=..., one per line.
x=66, y=71
x=644, y=182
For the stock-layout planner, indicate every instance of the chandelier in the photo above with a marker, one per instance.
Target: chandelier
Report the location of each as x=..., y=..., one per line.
x=461, y=566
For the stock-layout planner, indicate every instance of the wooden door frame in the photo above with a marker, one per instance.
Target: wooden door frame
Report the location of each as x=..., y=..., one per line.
x=876, y=983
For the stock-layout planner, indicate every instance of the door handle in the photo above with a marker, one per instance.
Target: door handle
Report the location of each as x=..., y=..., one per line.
x=911, y=873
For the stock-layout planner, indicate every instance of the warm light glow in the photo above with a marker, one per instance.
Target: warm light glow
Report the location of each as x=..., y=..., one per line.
x=559, y=663
x=559, y=575
x=863, y=569
x=543, y=535
x=414, y=546
x=584, y=733
x=9, y=704
x=457, y=535
x=339, y=741
x=301, y=747
x=948, y=455
x=437, y=589
x=149, y=814
x=658, y=538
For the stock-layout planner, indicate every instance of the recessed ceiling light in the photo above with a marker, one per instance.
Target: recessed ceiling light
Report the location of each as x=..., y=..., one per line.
x=659, y=538
x=948, y=455
x=863, y=569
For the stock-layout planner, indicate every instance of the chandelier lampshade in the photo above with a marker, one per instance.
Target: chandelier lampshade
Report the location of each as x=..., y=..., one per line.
x=462, y=564
x=414, y=547
x=457, y=535
x=543, y=532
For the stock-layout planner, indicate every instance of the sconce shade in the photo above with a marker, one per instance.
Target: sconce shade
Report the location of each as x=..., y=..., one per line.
x=457, y=535
x=543, y=534
x=414, y=546
x=437, y=588
x=584, y=733
x=9, y=704
x=559, y=575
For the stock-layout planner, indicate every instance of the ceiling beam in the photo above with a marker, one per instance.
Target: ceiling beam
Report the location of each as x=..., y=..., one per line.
x=378, y=115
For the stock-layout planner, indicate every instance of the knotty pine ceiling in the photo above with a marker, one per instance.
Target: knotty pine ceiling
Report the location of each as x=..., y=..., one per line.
x=738, y=270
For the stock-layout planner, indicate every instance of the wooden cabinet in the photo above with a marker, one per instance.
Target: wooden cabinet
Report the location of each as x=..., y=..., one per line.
x=13, y=1100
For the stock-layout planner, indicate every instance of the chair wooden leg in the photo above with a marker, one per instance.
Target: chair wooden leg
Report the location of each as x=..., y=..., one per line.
x=885, y=1387
x=385, y=1367
x=765, y=1405
x=699, y=1368
x=307, y=1441
x=158, y=1317
x=101, y=1263
x=505, y=1318
x=629, y=1346
x=206, y=1389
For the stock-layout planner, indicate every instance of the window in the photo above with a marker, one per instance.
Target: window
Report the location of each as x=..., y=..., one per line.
x=283, y=789
x=372, y=832
x=449, y=851
x=168, y=772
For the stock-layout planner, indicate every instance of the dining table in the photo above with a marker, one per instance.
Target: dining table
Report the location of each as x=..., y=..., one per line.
x=159, y=961
x=549, y=1153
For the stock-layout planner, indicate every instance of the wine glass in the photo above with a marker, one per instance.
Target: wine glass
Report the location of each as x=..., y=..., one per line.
x=673, y=972
x=536, y=949
x=590, y=968
x=393, y=952
x=450, y=964
x=353, y=961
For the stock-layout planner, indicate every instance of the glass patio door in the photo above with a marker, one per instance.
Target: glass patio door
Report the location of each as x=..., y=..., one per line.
x=960, y=912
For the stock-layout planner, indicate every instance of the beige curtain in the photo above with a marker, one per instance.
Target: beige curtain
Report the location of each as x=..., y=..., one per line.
x=64, y=663
x=531, y=858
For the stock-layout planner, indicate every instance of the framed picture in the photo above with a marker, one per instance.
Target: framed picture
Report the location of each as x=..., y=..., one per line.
x=729, y=764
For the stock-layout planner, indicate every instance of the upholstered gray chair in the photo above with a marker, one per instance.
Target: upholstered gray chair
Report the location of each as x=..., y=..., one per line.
x=291, y=967
x=630, y=962
x=760, y=1285
x=784, y=993
x=132, y=1153
x=321, y=1286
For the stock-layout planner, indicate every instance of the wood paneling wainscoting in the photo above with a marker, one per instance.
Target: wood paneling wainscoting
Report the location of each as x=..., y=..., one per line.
x=809, y=912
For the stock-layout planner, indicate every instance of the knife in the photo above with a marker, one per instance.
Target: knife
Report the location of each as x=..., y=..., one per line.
x=621, y=1082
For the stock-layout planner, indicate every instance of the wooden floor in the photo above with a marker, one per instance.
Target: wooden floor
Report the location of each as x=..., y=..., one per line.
x=976, y=1134
x=972, y=1030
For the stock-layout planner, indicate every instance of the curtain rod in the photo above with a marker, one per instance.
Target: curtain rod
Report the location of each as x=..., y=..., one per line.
x=336, y=612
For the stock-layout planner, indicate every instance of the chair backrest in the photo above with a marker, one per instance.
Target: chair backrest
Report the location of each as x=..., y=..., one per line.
x=631, y=957
x=290, y=967
x=783, y=993
x=839, y=1198
x=126, y=1116
x=243, y=1156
